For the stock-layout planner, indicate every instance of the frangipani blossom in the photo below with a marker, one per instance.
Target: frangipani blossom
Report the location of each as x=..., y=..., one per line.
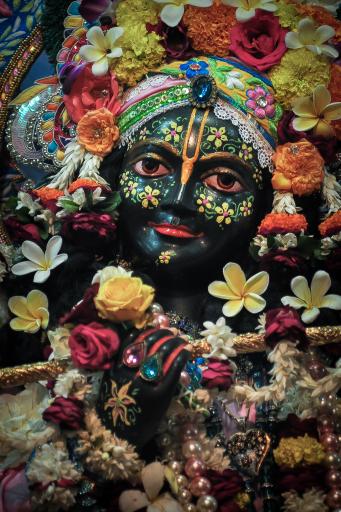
x=316, y=112
x=153, y=479
x=101, y=50
x=314, y=298
x=312, y=38
x=39, y=262
x=31, y=312
x=173, y=11
x=240, y=292
x=246, y=9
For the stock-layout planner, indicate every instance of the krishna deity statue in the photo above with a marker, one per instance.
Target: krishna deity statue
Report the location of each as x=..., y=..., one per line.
x=169, y=251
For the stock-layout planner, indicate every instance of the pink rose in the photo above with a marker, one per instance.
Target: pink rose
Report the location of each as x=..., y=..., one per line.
x=218, y=374
x=66, y=412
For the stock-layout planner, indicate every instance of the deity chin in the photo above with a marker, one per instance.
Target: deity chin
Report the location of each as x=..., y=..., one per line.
x=183, y=227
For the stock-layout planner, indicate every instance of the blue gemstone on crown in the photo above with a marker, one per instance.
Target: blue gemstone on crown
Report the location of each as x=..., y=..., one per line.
x=203, y=91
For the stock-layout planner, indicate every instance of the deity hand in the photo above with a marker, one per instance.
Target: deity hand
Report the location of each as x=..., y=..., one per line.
x=136, y=393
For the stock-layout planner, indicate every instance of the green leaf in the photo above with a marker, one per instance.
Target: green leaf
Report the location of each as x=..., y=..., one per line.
x=16, y=4
x=29, y=22
x=254, y=81
x=27, y=7
x=5, y=34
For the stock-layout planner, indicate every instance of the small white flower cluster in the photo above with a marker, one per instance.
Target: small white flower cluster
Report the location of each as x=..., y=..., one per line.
x=310, y=501
x=220, y=337
x=77, y=200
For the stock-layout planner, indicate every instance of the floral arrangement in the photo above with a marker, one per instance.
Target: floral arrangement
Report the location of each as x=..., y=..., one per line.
x=54, y=445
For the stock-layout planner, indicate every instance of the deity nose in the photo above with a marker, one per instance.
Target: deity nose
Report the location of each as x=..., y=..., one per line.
x=181, y=200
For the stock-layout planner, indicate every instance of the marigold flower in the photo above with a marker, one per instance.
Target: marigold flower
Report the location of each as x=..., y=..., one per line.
x=209, y=29
x=298, y=168
x=332, y=225
x=335, y=82
x=47, y=193
x=97, y=132
x=293, y=451
x=277, y=223
x=86, y=183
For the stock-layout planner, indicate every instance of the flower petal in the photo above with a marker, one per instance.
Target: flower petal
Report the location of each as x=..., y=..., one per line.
x=200, y=3
x=257, y=283
x=331, y=301
x=323, y=34
x=300, y=288
x=96, y=37
x=233, y=307
x=292, y=41
x=112, y=35
x=165, y=503
x=320, y=284
x=269, y=7
x=41, y=276
x=153, y=478
x=232, y=3
x=24, y=267
x=53, y=247
x=309, y=315
x=321, y=98
x=333, y=111
x=294, y=302
x=235, y=278
x=254, y=303
x=100, y=67
x=306, y=30
x=18, y=306
x=329, y=51
x=115, y=53
x=43, y=316
x=323, y=129
x=59, y=260
x=19, y=324
x=244, y=15
x=220, y=290
x=172, y=14
x=304, y=107
x=302, y=124
x=33, y=252
x=130, y=501
x=35, y=300
x=90, y=53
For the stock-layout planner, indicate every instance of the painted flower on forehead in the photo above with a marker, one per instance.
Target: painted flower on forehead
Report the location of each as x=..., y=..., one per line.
x=193, y=68
x=261, y=102
x=246, y=9
x=173, y=11
x=316, y=112
x=312, y=38
x=102, y=48
x=240, y=292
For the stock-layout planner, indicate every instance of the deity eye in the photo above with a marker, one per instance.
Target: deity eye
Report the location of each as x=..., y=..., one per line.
x=150, y=167
x=223, y=180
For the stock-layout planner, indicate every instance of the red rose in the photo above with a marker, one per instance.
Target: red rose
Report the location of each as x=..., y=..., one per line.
x=85, y=311
x=78, y=226
x=259, y=42
x=225, y=486
x=93, y=347
x=218, y=374
x=283, y=259
x=66, y=412
x=284, y=323
x=83, y=91
x=19, y=232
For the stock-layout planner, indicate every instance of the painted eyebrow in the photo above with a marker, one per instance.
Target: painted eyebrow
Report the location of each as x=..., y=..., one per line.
x=154, y=142
x=229, y=156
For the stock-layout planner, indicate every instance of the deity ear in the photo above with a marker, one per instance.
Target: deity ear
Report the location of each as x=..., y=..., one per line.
x=112, y=165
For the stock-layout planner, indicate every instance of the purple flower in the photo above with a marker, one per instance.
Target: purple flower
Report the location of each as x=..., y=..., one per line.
x=261, y=102
x=91, y=10
x=174, y=40
x=194, y=67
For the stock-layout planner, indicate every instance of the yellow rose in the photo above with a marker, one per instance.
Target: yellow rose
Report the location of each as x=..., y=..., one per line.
x=123, y=298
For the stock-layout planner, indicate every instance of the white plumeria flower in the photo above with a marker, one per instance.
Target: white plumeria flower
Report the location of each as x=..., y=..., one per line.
x=108, y=272
x=314, y=298
x=246, y=9
x=101, y=50
x=172, y=13
x=39, y=262
x=26, y=201
x=232, y=80
x=312, y=38
x=220, y=337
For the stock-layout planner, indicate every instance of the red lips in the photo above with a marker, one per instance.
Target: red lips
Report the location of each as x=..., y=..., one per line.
x=174, y=231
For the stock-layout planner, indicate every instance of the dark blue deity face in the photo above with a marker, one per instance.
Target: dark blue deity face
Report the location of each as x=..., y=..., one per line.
x=192, y=193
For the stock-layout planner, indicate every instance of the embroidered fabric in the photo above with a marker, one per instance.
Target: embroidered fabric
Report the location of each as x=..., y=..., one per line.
x=148, y=83
x=247, y=130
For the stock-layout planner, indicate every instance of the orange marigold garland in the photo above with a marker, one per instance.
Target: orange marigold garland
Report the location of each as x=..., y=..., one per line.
x=47, y=194
x=85, y=183
x=281, y=223
x=332, y=225
x=299, y=168
x=209, y=29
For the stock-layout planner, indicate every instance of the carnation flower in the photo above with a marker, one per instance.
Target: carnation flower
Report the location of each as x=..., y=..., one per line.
x=332, y=225
x=97, y=132
x=66, y=412
x=225, y=486
x=89, y=229
x=218, y=374
x=310, y=501
x=275, y=223
x=293, y=451
x=68, y=381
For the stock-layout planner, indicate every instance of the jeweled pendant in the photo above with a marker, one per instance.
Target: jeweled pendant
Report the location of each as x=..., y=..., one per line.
x=151, y=368
x=134, y=354
x=203, y=91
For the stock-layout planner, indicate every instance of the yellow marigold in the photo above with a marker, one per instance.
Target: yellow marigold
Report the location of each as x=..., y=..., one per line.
x=123, y=298
x=130, y=12
x=84, y=183
x=209, y=29
x=332, y=225
x=298, y=73
x=321, y=16
x=47, y=194
x=298, y=168
x=289, y=452
x=281, y=223
x=287, y=14
x=313, y=452
x=97, y=132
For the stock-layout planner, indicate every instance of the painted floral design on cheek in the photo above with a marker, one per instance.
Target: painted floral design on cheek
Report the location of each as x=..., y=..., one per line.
x=148, y=197
x=246, y=208
x=204, y=202
x=130, y=188
x=224, y=213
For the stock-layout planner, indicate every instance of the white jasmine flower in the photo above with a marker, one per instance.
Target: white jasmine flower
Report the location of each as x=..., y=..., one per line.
x=25, y=201
x=66, y=382
x=312, y=38
x=261, y=242
x=327, y=244
x=50, y=464
x=287, y=241
x=102, y=48
x=310, y=501
x=59, y=340
x=246, y=9
x=314, y=298
x=172, y=13
x=39, y=262
x=261, y=324
x=232, y=80
x=220, y=337
x=108, y=272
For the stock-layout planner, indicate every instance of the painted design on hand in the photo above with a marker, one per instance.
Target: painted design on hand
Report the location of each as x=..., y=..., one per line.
x=165, y=257
x=149, y=198
x=119, y=402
